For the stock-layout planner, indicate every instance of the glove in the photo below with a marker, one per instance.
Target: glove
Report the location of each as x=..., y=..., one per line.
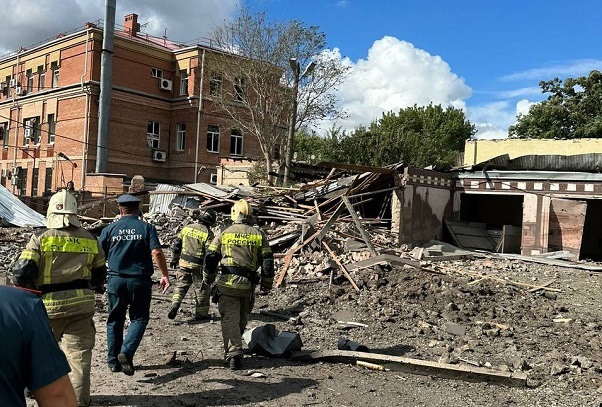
x=173, y=264
x=100, y=289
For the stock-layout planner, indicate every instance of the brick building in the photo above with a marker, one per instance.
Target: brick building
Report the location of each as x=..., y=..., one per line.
x=49, y=103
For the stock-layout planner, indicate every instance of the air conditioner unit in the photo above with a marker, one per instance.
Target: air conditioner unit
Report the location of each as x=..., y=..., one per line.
x=213, y=179
x=12, y=83
x=4, y=172
x=159, y=156
x=16, y=171
x=28, y=132
x=166, y=84
x=19, y=91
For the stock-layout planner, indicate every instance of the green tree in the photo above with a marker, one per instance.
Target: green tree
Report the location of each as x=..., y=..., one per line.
x=420, y=136
x=572, y=110
x=262, y=81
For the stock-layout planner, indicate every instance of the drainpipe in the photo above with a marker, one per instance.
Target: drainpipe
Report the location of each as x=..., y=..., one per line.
x=198, y=118
x=86, y=118
x=106, y=84
x=17, y=110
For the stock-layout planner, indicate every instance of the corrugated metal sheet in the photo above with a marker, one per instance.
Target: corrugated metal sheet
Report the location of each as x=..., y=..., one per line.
x=16, y=213
x=211, y=190
x=579, y=162
x=161, y=203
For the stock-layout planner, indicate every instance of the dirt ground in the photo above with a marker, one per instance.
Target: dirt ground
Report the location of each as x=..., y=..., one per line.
x=445, y=312
x=407, y=312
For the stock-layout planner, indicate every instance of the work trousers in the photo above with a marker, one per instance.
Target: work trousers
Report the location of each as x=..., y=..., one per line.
x=192, y=277
x=76, y=335
x=234, y=313
x=133, y=293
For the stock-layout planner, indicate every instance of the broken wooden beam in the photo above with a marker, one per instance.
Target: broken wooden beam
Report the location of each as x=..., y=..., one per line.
x=383, y=259
x=417, y=366
x=343, y=269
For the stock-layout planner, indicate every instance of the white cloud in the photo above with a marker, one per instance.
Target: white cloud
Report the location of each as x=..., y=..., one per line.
x=579, y=67
x=28, y=22
x=523, y=106
x=397, y=75
x=514, y=93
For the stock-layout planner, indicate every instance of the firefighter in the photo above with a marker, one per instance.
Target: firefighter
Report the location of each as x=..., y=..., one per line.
x=240, y=250
x=189, y=253
x=66, y=264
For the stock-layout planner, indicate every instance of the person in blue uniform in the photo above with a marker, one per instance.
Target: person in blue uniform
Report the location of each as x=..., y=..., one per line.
x=131, y=246
x=29, y=354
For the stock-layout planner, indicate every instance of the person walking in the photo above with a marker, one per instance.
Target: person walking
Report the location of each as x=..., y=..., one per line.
x=241, y=250
x=66, y=264
x=189, y=253
x=131, y=246
x=29, y=354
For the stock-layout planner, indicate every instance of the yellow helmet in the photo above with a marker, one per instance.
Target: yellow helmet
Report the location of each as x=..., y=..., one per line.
x=241, y=210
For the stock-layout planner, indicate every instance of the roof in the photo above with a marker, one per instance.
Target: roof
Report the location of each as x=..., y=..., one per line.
x=591, y=162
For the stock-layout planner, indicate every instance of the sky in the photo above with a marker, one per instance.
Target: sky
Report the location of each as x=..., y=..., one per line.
x=486, y=57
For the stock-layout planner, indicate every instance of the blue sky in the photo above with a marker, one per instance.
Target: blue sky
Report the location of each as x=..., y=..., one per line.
x=484, y=56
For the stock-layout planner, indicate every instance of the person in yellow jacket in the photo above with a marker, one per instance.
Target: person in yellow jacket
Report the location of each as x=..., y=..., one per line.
x=241, y=249
x=66, y=264
x=188, y=251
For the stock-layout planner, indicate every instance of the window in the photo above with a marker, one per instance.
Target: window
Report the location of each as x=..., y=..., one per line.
x=181, y=136
x=235, y=142
x=41, y=77
x=4, y=133
x=55, y=74
x=157, y=73
x=51, y=128
x=239, y=89
x=31, y=133
x=215, y=85
x=22, y=180
x=183, y=83
x=3, y=177
x=34, y=181
x=48, y=182
x=9, y=93
x=153, y=133
x=29, y=75
x=213, y=138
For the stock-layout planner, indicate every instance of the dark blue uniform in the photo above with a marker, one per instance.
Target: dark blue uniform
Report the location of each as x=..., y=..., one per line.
x=128, y=245
x=29, y=354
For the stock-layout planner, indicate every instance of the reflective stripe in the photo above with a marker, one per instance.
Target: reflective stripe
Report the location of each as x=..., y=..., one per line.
x=241, y=239
x=30, y=255
x=195, y=234
x=57, y=304
x=67, y=244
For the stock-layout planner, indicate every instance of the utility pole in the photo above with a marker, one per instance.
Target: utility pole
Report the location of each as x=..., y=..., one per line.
x=106, y=85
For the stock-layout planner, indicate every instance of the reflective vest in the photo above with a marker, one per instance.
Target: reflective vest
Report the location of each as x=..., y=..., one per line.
x=195, y=238
x=63, y=256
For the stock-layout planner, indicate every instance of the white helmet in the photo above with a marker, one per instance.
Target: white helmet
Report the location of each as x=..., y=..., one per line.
x=62, y=210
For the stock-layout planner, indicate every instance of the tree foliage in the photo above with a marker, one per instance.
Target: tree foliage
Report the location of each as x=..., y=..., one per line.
x=264, y=108
x=572, y=110
x=420, y=136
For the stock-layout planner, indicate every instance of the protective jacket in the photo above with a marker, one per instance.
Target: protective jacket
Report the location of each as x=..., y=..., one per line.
x=189, y=247
x=240, y=249
x=65, y=265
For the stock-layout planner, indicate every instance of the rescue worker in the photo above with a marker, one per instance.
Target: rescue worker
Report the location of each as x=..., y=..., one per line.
x=241, y=250
x=131, y=247
x=189, y=253
x=67, y=264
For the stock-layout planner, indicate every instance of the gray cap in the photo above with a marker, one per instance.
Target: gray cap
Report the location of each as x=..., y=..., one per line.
x=128, y=200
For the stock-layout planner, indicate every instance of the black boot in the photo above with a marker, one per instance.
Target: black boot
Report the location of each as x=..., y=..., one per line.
x=173, y=311
x=235, y=363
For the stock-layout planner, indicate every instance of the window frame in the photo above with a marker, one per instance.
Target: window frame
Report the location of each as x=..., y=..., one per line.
x=29, y=76
x=180, y=136
x=240, y=89
x=5, y=140
x=51, y=128
x=41, y=78
x=213, y=131
x=183, y=83
x=156, y=73
x=236, y=142
x=215, y=85
x=152, y=137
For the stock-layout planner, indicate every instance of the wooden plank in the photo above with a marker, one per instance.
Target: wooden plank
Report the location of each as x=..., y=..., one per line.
x=289, y=257
x=542, y=286
x=383, y=258
x=358, y=225
x=417, y=366
x=343, y=269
